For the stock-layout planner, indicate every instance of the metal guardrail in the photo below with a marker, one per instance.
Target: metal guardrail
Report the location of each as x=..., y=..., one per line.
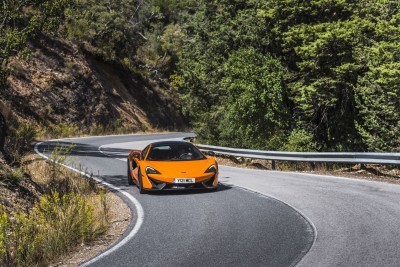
x=334, y=157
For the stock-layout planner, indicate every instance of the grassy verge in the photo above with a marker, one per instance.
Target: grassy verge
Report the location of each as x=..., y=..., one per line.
x=70, y=210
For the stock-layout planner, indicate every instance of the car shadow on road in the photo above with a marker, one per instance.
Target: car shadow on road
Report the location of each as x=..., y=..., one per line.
x=121, y=181
x=78, y=149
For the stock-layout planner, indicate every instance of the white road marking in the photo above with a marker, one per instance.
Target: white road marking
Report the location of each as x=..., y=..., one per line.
x=314, y=229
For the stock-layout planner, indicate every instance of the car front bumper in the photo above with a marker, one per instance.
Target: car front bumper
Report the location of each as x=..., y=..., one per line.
x=157, y=185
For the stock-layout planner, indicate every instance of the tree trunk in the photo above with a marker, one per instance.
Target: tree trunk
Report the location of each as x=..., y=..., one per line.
x=3, y=133
x=163, y=59
x=3, y=129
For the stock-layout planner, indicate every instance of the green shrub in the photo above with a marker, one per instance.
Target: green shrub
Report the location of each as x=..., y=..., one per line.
x=300, y=141
x=4, y=237
x=13, y=175
x=19, y=138
x=65, y=130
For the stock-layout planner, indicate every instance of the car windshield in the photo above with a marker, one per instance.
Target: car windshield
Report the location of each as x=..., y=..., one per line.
x=175, y=152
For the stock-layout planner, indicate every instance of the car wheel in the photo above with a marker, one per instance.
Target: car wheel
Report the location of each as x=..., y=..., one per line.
x=130, y=180
x=140, y=185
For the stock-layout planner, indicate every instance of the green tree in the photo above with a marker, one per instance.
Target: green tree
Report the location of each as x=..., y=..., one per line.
x=114, y=28
x=232, y=87
x=316, y=40
x=378, y=90
x=339, y=61
x=254, y=109
x=23, y=20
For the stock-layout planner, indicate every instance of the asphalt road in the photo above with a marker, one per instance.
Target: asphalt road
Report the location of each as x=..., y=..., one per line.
x=308, y=220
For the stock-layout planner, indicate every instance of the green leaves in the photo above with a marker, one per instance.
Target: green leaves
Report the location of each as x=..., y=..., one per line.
x=115, y=28
x=377, y=91
x=316, y=40
x=23, y=20
x=333, y=66
x=254, y=106
x=232, y=87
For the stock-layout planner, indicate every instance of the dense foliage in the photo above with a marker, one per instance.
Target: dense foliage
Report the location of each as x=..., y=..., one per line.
x=275, y=74
x=338, y=62
x=23, y=20
x=115, y=28
x=130, y=31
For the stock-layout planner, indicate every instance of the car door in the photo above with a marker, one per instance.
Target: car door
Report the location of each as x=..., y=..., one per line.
x=137, y=161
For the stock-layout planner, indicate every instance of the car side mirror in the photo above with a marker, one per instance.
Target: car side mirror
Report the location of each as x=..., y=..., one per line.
x=210, y=153
x=136, y=155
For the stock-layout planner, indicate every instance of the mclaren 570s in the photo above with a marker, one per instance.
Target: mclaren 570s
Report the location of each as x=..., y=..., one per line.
x=172, y=165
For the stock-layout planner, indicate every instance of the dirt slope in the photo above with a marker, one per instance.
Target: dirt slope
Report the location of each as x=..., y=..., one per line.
x=59, y=84
x=62, y=83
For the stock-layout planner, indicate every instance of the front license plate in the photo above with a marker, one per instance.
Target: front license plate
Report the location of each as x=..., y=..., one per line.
x=184, y=180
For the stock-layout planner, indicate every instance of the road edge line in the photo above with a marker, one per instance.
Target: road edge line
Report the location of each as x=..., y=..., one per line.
x=308, y=220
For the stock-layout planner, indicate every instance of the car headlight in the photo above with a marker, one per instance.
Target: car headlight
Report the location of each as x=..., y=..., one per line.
x=150, y=170
x=212, y=168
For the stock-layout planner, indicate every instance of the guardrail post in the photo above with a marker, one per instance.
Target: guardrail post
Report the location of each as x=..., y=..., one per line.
x=313, y=166
x=362, y=166
x=273, y=165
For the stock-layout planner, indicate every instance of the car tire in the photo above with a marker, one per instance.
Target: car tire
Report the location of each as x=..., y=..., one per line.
x=140, y=185
x=130, y=180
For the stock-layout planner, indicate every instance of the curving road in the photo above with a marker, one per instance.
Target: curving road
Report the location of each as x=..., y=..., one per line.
x=293, y=219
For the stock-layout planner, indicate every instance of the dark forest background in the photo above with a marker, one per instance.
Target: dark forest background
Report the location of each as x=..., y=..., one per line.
x=292, y=75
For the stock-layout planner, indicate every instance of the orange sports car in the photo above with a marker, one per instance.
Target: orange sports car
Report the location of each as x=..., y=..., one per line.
x=172, y=165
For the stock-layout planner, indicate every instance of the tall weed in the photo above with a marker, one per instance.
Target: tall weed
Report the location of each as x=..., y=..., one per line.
x=19, y=139
x=72, y=210
x=53, y=227
x=12, y=175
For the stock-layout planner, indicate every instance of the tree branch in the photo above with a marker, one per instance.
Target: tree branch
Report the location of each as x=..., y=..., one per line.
x=141, y=35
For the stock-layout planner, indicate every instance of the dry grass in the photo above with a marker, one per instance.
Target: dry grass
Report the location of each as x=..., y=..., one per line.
x=64, y=130
x=120, y=217
x=72, y=130
x=72, y=210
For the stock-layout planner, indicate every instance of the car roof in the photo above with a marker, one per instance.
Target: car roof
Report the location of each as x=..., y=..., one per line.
x=169, y=143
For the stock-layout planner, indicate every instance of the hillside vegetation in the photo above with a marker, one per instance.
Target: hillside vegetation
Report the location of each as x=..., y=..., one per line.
x=55, y=84
x=287, y=75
